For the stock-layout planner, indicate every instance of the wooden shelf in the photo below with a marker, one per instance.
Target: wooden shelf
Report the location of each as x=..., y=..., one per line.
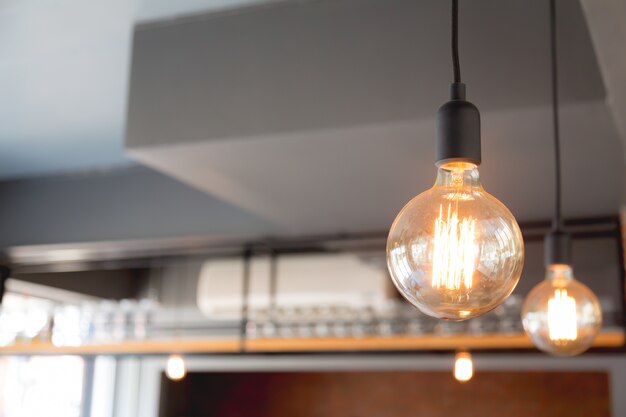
x=608, y=339
x=145, y=347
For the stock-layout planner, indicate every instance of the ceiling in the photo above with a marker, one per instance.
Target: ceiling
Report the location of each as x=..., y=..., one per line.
x=64, y=69
x=332, y=127
x=293, y=116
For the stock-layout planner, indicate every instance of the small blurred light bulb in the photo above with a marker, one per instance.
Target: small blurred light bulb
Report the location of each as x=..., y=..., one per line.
x=561, y=315
x=463, y=367
x=175, y=369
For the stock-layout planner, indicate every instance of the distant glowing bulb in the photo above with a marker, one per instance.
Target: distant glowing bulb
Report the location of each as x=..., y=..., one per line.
x=561, y=315
x=454, y=251
x=175, y=369
x=463, y=367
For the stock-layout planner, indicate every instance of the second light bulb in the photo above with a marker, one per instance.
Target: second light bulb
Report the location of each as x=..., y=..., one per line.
x=561, y=315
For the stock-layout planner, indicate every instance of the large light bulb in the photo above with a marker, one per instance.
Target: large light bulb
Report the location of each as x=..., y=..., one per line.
x=455, y=251
x=561, y=315
x=463, y=367
x=175, y=369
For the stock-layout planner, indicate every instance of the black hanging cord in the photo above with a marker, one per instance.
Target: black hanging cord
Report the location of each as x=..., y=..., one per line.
x=455, y=41
x=557, y=222
x=273, y=285
x=245, y=299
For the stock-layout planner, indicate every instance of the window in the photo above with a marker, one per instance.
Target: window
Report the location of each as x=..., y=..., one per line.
x=41, y=386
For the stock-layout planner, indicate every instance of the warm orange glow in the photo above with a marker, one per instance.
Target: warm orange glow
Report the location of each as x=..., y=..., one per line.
x=562, y=320
x=463, y=367
x=175, y=368
x=455, y=251
x=458, y=166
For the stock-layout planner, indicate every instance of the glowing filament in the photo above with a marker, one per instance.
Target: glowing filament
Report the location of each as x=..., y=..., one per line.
x=562, y=317
x=455, y=252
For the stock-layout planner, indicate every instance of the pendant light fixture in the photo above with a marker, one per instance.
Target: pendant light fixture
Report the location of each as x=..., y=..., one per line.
x=561, y=315
x=455, y=251
x=175, y=368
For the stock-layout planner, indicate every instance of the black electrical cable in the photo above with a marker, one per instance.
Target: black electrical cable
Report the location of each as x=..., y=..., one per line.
x=455, y=41
x=557, y=222
x=245, y=299
x=273, y=285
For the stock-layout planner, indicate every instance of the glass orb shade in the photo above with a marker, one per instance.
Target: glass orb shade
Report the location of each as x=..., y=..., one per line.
x=562, y=316
x=454, y=251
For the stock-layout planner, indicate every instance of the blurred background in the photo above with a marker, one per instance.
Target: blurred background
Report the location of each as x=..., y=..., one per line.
x=213, y=181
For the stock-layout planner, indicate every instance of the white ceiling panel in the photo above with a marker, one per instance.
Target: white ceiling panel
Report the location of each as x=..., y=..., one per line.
x=357, y=179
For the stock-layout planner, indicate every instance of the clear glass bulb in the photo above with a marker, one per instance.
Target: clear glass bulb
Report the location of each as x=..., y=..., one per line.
x=463, y=367
x=175, y=369
x=454, y=251
x=562, y=316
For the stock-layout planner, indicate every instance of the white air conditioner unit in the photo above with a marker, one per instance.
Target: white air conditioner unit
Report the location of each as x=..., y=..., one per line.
x=303, y=281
